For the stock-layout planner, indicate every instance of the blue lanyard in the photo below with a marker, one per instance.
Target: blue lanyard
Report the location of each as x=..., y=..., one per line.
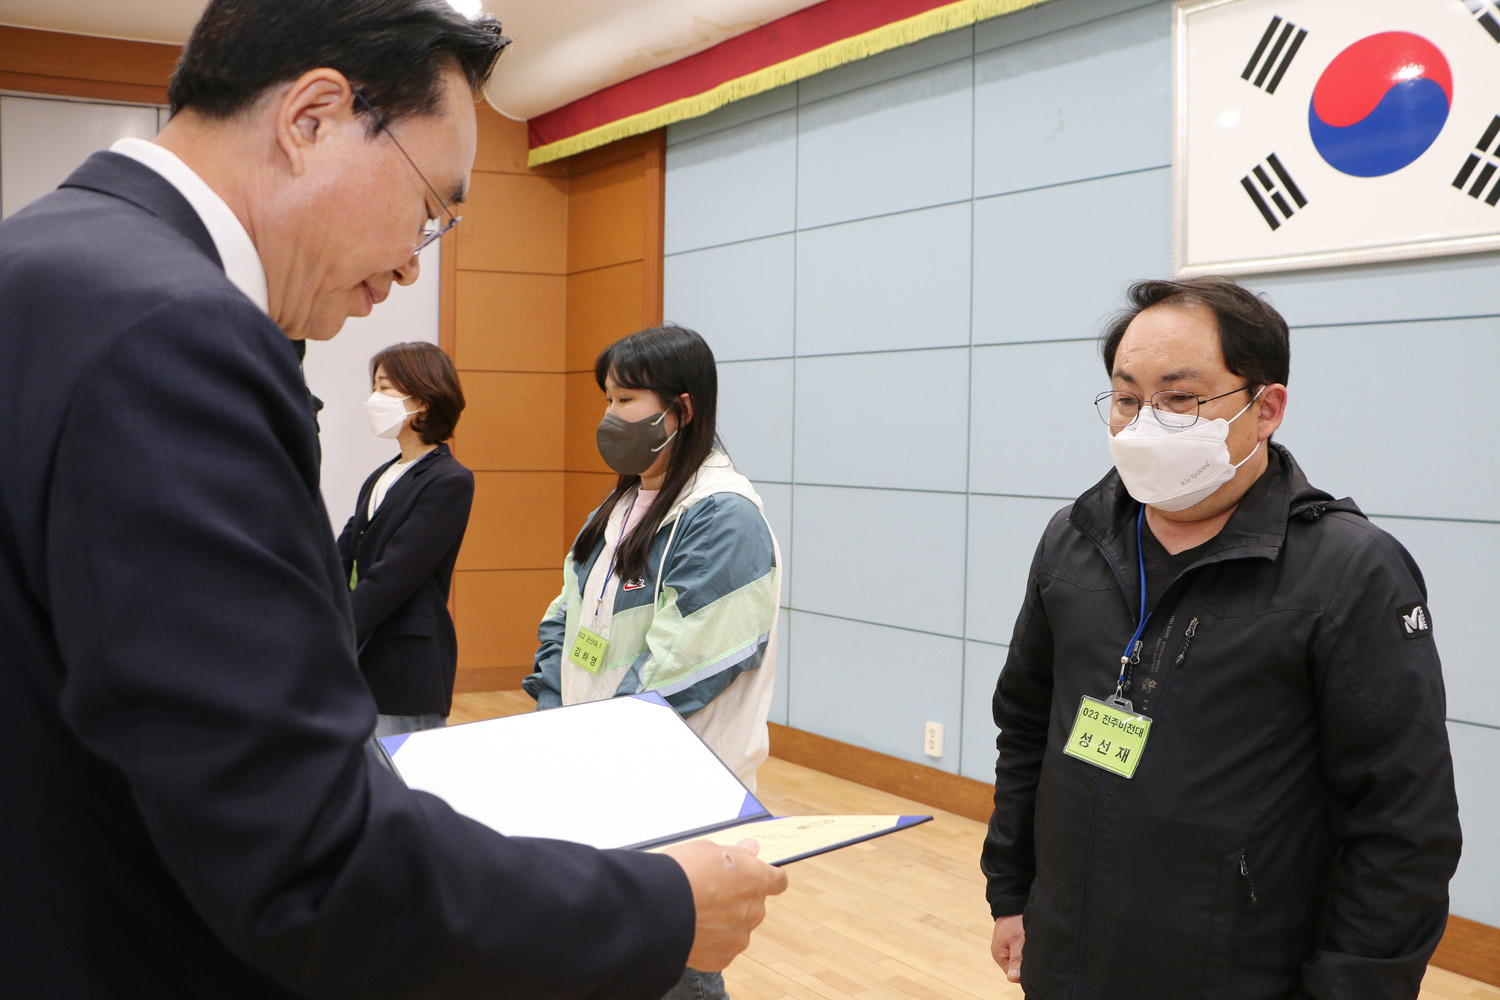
x=1143, y=617
x=610, y=570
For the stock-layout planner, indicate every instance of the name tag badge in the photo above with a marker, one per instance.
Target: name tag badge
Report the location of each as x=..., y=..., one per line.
x=588, y=651
x=1108, y=734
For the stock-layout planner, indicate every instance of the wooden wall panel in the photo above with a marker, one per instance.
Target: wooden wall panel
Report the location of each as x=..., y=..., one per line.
x=502, y=146
x=514, y=223
x=635, y=147
x=582, y=492
x=605, y=209
x=603, y=306
x=513, y=421
x=448, y=297
x=498, y=611
x=510, y=322
x=49, y=62
x=585, y=408
x=516, y=521
x=654, y=239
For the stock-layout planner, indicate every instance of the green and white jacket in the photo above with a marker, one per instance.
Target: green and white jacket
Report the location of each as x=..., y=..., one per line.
x=699, y=629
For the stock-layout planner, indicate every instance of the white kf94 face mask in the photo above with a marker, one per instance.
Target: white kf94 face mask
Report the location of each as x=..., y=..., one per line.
x=1172, y=468
x=386, y=413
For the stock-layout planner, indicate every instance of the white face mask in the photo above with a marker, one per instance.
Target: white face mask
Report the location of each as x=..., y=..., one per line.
x=386, y=413
x=1172, y=468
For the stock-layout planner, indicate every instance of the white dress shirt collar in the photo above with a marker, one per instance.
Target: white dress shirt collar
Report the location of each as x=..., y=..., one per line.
x=242, y=264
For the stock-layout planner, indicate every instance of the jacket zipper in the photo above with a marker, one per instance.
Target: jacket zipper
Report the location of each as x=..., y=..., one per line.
x=1088, y=899
x=1177, y=661
x=1245, y=874
x=1088, y=858
x=1088, y=862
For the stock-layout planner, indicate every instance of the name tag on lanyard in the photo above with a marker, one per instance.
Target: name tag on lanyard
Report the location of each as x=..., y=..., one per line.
x=588, y=651
x=1108, y=734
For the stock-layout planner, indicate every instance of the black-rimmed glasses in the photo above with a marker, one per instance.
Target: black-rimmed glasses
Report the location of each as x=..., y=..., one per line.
x=1173, y=407
x=428, y=233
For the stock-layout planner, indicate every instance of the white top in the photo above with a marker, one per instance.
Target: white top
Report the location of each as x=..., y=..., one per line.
x=383, y=485
x=237, y=251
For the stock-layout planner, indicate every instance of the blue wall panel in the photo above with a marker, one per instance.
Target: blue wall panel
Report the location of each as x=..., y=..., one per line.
x=1394, y=415
x=755, y=417
x=1074, y=105
x=1415, y=289
x=877, y=687
x=891, y=420
x=886, y=283
x=756, y=161
x=782, y=690
x=1003, y=535
x=777, y=499
x=734, y=114
x=1033, y=427
x=887, y=148
x=1050, y=264
x=1475, y=748
x=982, y=663
x=1050, y=18
x=739, y=296
x=888, y=556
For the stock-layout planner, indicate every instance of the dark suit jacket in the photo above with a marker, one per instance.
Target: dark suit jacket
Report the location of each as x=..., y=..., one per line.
x=405, y=556
x=188, y=810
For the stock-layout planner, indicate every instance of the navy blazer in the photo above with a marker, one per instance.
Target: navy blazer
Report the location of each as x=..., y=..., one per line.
x=405, y=557
x=189, y=811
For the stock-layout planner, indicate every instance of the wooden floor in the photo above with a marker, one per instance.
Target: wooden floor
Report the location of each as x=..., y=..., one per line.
x=898, y=918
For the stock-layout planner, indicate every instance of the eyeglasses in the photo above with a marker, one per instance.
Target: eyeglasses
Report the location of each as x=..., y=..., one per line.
x=1173, y=408
x=428, y=233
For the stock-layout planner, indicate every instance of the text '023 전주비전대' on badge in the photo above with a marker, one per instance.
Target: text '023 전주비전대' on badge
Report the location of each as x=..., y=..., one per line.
x=1108, y=734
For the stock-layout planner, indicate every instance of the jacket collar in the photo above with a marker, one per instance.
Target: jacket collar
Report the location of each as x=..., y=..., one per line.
x=400, y=486
x=716, y=475
x=130, y=180
x=1106, y=513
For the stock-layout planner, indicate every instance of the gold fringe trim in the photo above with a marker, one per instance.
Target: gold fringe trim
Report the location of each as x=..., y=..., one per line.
x=890, y=36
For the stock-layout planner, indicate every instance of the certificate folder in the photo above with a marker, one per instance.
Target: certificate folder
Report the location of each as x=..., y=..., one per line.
x=626, y=772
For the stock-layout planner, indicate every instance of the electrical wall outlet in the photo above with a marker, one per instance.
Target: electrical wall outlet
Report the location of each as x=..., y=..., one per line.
x=932, y=741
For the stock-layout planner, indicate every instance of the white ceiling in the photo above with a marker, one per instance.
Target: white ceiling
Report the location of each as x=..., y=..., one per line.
x=564, y=49
x=172, y=20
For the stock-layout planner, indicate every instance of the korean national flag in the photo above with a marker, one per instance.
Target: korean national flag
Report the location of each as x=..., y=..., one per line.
x=1316, y=132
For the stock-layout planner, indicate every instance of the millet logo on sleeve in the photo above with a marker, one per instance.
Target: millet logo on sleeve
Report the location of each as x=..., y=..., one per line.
x=1414, y=621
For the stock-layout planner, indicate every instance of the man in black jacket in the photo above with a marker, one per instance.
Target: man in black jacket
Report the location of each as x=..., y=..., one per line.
x=189, y=808
x=1223, y=765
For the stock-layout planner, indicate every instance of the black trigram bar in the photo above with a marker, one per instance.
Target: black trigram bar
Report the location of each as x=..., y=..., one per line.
x=1274, y=185
x=1487, y=155
x=1278, y=34
x=1486, y=9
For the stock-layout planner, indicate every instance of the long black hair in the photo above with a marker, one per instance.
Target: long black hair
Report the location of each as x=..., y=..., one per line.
x=668, y=361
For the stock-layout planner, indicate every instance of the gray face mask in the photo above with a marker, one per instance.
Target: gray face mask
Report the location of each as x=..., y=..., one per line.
x=630, y=447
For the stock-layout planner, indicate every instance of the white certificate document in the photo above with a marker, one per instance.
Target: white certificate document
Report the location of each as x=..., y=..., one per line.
x=627, y=772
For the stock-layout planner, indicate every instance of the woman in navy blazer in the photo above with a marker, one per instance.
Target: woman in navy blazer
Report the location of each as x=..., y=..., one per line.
x=400, y=546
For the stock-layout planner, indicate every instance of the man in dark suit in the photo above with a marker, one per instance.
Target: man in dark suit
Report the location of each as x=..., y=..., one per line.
x=189, y=808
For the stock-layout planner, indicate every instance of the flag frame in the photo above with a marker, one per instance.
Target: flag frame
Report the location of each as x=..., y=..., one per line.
x=1217, y=229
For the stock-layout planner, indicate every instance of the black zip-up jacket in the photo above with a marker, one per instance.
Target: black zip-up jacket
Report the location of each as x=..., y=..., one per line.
x=1291, y=826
